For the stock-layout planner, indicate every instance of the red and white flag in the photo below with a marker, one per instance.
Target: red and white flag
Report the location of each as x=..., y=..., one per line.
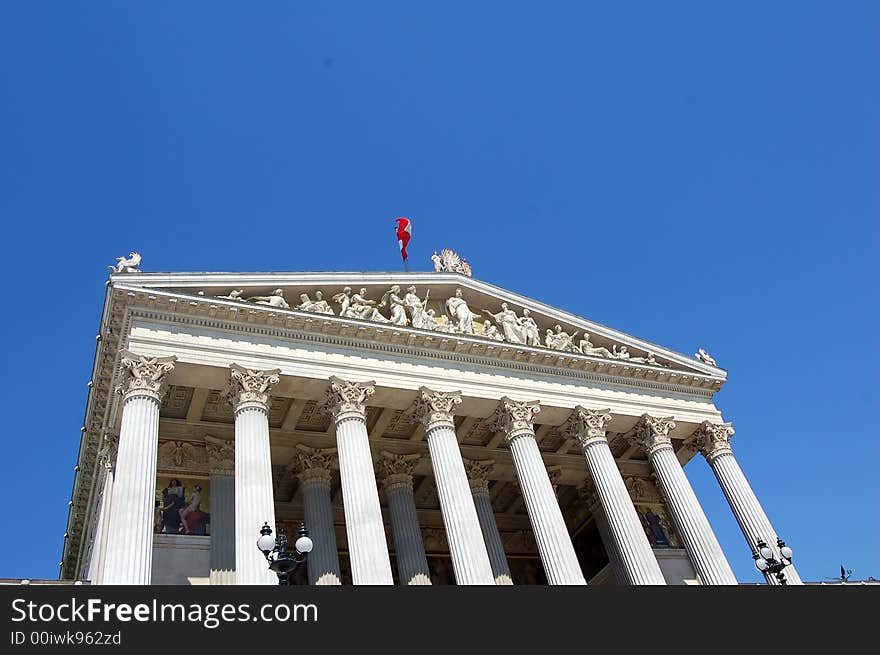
x=404, y=232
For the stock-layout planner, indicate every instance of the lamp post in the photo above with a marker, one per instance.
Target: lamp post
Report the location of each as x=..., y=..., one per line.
x=282, y=561
x=766, y=562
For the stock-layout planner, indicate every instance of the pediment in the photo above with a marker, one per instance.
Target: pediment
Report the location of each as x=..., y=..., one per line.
x=433, y=307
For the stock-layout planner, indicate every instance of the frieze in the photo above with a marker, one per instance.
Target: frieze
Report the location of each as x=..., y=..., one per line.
x=182, y=456
x=221, y=455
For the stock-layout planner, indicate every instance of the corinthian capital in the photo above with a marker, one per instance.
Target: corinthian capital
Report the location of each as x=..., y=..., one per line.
x=478, y=472
x=313, y=464
x=587, y=426
x=516, y=418
x=435, y=408
x=348, y=399
x=221, y=455
x=652, y=433
x=250, y=388
x=395, y=470
x=144, y=375
x=713, y=439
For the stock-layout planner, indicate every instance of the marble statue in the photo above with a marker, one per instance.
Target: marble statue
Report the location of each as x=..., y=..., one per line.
x=416, y=307
x=235, y=294
x=127, y=264
x=357, y=306
x=648, y=359
x=560, y=340
x=509, y=323
x=366, y=309
x=705, y=357
x=430, y=322
x=275, y=300
x=529, y=329
x=586, y=347
x=343, y=299
x=398, y=309
x=458, y=309
x=448, y=261
x=490, y=331
x=621, y=353
x=447, y=327
x=319, y=306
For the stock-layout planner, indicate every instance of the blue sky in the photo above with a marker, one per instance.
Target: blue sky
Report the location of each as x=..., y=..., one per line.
x=691, y=174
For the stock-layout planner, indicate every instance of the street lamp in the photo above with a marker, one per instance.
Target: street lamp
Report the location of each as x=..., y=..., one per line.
x=280, y=559
x=766, y=561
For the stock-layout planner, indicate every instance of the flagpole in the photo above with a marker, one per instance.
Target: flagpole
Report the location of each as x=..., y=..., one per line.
x=405, y=267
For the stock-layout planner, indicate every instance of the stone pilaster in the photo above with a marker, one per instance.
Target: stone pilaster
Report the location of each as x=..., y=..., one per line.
x=248, y=393
x=713, y=440
x=467, y=548
x=221, y=467
x=630, y=545
x=129, y=543
x=478, y=472
x=554, y=543
x=691, y=523
x=396, y=476
x=365, y=530
x=313, y=468
x=106, y=468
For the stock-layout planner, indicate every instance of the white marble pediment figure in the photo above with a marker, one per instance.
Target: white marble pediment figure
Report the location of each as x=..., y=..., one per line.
x=439, y=302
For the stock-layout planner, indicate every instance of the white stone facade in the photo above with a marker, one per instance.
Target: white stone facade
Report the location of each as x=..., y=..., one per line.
x=492, y=467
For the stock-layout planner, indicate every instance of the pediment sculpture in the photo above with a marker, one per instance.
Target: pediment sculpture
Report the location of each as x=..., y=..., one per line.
x=274, y=300
x=318, y=305
x=452, y=316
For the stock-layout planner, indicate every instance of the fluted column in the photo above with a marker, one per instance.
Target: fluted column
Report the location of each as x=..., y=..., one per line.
x=713, y=441
x=106, y=467
x=636, y=559
x=554, y=543
x=396, y=476
x=313, y=466
x=129, y=547
x=467, y=549
x=364, y=528
x=691, y=523
x=248, y=393
x=478, y=472
x=221, y=465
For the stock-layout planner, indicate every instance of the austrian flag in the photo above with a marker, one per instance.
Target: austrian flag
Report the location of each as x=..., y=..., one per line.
x=404, y=232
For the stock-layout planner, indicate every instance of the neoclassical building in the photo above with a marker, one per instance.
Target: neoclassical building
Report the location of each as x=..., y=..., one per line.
x=427, y=428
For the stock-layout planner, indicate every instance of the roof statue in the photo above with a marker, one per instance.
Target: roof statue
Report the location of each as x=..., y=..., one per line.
x=705, y=357
x=127, y=264
x=448, y=261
